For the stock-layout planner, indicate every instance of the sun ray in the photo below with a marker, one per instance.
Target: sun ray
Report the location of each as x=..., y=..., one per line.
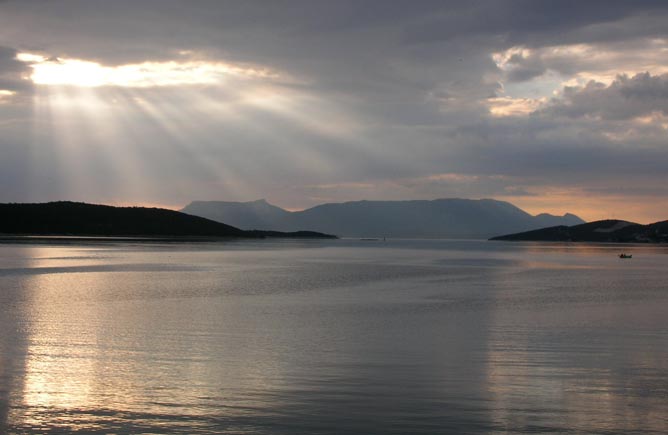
x=127, y=129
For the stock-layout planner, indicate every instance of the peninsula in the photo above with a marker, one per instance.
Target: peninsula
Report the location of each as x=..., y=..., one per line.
x=66, y=218
x=603, y=231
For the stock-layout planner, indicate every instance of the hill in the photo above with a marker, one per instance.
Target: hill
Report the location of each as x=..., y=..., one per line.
x=246, y=215
x=440, y=218
x=604, y=231
x=81, y=219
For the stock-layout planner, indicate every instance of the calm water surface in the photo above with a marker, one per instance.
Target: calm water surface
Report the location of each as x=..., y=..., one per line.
x=333, y=337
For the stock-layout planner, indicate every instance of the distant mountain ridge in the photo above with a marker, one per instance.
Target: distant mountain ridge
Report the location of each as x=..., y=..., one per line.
x=604, y=231
x=439, y=218
x=247, y=215
x=81, y=219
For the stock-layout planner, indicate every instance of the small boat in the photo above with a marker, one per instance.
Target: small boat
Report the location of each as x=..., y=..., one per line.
x=625, y=256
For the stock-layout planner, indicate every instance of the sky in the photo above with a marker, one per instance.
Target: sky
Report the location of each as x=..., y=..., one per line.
x=555, y=106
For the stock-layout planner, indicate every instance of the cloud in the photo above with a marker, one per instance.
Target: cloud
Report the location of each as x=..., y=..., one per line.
x=513, y=22
x=507, y=106
x=13, y=73
x=625, y=98
x=367, y=99
x=85, y=73
x=525, y=69
x=582, y=62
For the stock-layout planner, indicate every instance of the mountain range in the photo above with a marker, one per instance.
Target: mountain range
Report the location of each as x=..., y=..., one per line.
x=439, y=218
x=604, y=231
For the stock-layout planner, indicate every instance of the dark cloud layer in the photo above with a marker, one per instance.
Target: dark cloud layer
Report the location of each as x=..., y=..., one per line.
x=527, y=22
x=13, y=72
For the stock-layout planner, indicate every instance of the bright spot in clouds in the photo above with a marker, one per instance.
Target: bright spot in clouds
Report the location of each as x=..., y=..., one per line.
x=30, y=57
x=507, y=106
x=78, y=72
x=5, y=94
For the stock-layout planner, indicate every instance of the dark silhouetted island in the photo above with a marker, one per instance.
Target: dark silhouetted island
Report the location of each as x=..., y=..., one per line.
x=66, y=218
x=604, y=231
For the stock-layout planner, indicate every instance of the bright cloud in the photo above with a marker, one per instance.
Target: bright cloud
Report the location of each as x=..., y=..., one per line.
x=84, y=73
x=5, y=95
x=578, y=64
x=507, y=106
x=625, y=98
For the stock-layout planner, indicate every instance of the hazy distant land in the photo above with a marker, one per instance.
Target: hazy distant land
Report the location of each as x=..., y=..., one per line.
x=440, y=218
x=454, y=218
x=605, y=231
x=81, y=219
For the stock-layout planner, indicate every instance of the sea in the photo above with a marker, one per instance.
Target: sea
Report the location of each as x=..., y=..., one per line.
x=332, y=337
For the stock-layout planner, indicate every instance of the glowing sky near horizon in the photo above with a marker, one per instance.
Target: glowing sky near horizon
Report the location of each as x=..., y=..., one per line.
x=559, y=109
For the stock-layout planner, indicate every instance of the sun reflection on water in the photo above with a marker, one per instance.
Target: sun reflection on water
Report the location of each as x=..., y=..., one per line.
x=104, y=346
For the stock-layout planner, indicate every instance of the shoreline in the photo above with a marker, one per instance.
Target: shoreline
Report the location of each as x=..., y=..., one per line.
x=31, y=238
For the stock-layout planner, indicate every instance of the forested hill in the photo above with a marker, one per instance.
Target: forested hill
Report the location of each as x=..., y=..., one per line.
x=605, y=231
x=81, y=219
